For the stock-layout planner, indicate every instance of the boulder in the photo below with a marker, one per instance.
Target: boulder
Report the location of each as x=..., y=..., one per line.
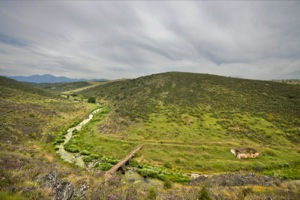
x=245, y=152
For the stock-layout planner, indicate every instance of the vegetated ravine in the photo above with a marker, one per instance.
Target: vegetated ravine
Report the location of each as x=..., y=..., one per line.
x=75, y=158
x=189, y=122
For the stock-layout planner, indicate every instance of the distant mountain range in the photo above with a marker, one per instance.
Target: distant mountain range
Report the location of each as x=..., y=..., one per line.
x=48, y=78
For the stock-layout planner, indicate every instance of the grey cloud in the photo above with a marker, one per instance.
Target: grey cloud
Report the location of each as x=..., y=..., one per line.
x=128, y=39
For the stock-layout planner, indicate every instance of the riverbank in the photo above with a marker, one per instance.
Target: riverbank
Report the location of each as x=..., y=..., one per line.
x=75, y=158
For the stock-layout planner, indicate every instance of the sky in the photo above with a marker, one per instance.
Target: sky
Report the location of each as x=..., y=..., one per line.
x=128, y=39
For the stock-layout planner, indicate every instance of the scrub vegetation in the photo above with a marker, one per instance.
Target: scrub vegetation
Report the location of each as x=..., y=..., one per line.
x=191, y=121
x=187, y=123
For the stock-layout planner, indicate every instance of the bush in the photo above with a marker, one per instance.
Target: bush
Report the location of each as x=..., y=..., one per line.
x=152, y=194
x=71, y=148
x=110, y=160
x=167, y=165
x=85, y=152
x=167, y=184
x=246, y=191
x=88, y=159
x=203, y=194
x=133, y=163
x=58, y=141
x=105, y=166
x=92, y=100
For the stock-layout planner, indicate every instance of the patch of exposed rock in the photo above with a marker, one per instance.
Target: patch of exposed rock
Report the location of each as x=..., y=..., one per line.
x=245, y=152
x=62, y=189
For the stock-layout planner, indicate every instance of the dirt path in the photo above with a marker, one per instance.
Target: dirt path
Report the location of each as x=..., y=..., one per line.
x=92, y=84
x=75, y=158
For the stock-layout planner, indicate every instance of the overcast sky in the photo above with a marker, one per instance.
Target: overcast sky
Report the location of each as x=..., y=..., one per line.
x=98, y=39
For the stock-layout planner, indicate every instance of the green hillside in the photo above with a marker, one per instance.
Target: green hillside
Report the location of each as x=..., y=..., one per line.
x=8, y=86
x=28, y=111
x=188, y=90
x=187, y=122
x=191, y=121
x=30, y=120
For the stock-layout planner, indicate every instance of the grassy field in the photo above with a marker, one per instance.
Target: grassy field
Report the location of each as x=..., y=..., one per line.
x=199, y=146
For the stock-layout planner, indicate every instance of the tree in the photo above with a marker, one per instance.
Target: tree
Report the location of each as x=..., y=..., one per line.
x=92, y=100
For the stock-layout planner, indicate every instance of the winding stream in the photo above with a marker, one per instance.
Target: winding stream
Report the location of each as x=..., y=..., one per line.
x=75, y=158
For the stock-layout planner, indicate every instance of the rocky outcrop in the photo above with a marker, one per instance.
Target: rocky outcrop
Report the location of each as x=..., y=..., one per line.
x=62, y=189
x=245, y=153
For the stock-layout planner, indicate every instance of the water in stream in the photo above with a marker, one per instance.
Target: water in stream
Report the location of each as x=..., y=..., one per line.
x=75, y=158
x=131, y=175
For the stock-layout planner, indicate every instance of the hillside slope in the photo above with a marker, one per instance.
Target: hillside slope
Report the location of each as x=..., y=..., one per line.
x=63, y=87
x=28, y=111
x=30, y=120
x=181, y=136
x=192, y=94
x=191, y=121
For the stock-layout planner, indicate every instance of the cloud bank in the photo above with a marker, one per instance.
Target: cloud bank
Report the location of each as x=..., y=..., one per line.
x=81, y=39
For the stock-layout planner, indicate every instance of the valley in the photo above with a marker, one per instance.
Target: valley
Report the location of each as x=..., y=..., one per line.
x=187, y=124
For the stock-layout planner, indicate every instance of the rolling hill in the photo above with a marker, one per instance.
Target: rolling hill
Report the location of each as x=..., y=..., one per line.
x=30, y=119
x=187, y=123
x=193, y=94
x=27, y=110
x=190, y=122
x=63, y=87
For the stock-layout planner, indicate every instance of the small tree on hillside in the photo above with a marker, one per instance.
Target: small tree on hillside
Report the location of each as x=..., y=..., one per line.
x=92, y=100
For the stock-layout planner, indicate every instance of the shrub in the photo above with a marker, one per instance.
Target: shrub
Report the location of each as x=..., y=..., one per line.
x=85, y=152
x=92, y=100
x=71, y=148
x=203, y=194
x=105, y=166
x=167, y=184
x=133, y=163
x=88, y=159
x=58, y=141
x=245, y=192
x=167, y=165
x=152, y=194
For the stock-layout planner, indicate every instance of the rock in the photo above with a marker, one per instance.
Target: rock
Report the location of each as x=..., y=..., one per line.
x=245, y=153
x=83, y=188
x=11, y=189
x=29, y=189
x=82, y=192
x=49, y=180
x=61, y=189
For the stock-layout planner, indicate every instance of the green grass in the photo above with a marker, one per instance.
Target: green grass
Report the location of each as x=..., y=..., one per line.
x=192, y=144
x=191, y=121
x=187, y=122
x=9, y=196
